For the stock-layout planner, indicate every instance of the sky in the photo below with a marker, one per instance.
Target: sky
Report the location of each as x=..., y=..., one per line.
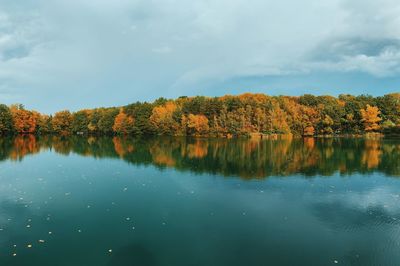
x=74, y=54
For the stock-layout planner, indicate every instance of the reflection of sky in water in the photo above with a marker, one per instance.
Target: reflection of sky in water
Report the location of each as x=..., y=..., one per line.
x=108, y=212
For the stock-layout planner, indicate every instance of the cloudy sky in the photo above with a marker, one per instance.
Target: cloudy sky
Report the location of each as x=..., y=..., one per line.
x=57, y=54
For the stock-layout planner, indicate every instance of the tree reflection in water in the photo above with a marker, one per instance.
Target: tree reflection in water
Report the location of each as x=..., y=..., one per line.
x=245, y=158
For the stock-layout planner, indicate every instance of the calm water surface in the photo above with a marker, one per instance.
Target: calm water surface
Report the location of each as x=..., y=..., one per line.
x=176, y=201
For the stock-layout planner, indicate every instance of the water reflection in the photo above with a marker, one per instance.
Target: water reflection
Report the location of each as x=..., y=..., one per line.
x=240, y=157
x=81, y=209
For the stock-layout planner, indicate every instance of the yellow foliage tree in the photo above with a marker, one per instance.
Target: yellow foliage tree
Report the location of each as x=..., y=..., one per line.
x=162, y=118
x=370, y=118
x=198, y=124
x=62, y=122
x=278, y=120
x=327, y=124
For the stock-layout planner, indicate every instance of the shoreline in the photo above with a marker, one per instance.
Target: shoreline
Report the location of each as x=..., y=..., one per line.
x=253, y=136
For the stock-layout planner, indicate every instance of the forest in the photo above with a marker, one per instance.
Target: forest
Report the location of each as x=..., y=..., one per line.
x=227, y=116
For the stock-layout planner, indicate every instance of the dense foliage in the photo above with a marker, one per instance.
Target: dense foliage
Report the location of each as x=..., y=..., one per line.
x=227, y=116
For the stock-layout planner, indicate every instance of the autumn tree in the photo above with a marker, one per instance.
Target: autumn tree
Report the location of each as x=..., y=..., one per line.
x=162, y=119
x=219, y=123
x=301, y=119
x=277, y=120
x=370, y=118
x=24, y=121
x=233, y=123
x=327, y=124
x=309, y=131
x=260, y=119
x=62, y=122
x=197, y=124
x=123, y=124
x=308, y=119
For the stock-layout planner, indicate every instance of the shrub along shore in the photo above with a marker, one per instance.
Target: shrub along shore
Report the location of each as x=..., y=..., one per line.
x=254, y=115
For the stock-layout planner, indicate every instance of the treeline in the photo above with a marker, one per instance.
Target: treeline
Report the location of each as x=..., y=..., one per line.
x=227, y=116
x=247, y=158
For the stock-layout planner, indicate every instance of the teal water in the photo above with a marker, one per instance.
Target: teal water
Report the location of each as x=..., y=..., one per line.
x=176, y=201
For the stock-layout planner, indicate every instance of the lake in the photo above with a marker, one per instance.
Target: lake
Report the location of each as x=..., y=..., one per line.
x=184, y=201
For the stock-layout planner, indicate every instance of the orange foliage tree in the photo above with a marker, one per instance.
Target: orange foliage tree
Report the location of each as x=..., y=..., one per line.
x=24, y=121
x=123, y=124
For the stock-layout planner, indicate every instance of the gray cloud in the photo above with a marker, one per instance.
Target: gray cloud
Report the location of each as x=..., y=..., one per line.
x=379, y=57
x=53, y=49
x=336, y=49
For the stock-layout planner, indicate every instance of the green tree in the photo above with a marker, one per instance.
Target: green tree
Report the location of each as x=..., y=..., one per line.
x=6, y=120
x=80, y=122
x=44, y=125
x=106, y=121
